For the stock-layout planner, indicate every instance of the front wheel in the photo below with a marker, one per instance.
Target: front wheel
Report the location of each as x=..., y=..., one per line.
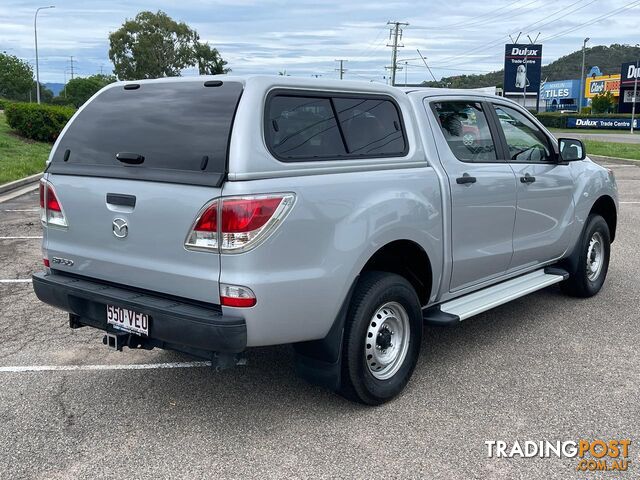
x=382, y=338
x=593, y=260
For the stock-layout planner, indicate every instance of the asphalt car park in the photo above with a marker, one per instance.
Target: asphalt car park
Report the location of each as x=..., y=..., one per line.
x=544, y=367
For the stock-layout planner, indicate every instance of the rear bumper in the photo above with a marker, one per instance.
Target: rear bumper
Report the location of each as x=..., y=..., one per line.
x=174, y=324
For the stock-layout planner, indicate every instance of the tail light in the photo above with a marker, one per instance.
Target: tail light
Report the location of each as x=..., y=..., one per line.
x=236, y=296
x=204, y=233
x=238, y=224
x=51, y=212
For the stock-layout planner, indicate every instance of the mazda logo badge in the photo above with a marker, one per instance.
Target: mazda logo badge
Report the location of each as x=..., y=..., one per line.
x=120, y=228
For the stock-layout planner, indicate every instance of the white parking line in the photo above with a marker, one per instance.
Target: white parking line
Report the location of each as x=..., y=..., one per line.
x=67, y=368
x=23, y=210
x=16, y=280
x=20, y=238
x=629, y=202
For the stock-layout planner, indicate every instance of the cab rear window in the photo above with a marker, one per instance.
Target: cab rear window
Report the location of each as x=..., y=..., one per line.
x=301, y=127
x=166, y=131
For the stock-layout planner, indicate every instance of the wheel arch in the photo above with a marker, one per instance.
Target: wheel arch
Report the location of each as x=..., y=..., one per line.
x=606, y=208
x=407, y=259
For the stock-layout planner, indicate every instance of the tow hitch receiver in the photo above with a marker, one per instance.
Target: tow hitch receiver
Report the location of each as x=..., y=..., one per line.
x=116, y=340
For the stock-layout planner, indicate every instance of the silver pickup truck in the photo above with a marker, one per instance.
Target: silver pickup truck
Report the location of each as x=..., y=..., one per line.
x=213, y=214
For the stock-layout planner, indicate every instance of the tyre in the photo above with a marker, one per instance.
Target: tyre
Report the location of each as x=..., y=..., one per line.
x=382, y=338
x=593, y=260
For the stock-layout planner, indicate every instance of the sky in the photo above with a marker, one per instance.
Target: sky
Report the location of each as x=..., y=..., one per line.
x=305, y=38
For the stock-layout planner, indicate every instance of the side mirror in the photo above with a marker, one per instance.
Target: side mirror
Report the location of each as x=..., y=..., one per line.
x=571, y=150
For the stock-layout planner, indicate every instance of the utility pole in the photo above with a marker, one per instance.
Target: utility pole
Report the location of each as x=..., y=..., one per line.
x=395, y=36
x=526, y=66
x=71, y=67
x=35, y=33
x=341, y=70
x=406, y=68
x=582, y=85
x=635, y=94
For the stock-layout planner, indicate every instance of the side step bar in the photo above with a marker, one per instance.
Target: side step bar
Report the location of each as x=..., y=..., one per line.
x=474, y=303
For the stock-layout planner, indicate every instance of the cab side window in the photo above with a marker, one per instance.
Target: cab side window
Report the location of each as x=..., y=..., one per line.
x=464, y=125
x=526, y=142
x=302, y=128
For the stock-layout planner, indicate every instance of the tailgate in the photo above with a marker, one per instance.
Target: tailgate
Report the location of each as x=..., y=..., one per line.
x=131, y=172
x=152, y=255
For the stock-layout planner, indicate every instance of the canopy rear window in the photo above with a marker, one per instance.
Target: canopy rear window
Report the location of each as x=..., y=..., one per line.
x=172, y=132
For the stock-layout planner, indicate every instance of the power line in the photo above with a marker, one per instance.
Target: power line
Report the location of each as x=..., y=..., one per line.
x=488, y=17
x=526, y=28
x=594, y=20
x=372, y=46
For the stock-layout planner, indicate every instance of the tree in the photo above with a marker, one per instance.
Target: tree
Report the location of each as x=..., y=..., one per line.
x=150, y=46
x=46, y=95
x=209, y=60
x=602, y=102
x=16, y=77
x=79, y=90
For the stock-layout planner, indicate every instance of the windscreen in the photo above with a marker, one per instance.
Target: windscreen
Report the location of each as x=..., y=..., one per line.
x=172, y=131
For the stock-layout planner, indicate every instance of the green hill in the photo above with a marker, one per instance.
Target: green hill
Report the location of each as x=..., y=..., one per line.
x=568, y=67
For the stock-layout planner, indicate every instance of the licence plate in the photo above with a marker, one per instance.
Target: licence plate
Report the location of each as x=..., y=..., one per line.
x=128, y=320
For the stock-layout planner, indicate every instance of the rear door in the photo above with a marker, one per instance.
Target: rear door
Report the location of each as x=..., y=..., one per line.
x=545, y=207
x=483, y=193
x=131, y=172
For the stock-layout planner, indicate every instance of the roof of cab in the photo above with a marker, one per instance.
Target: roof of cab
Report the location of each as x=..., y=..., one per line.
x=270, y=81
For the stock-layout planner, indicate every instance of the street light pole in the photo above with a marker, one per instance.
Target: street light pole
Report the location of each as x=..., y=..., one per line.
x=35, y=32
x=635, y=94
x=582, y=85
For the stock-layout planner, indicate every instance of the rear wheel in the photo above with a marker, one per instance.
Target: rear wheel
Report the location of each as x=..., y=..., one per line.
x=382, y=338
x=593, y=261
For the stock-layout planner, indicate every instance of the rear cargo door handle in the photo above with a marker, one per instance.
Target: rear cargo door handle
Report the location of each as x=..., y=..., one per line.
x=121, y=199
x=130, y=158
x=465, y=178
x=527, y=178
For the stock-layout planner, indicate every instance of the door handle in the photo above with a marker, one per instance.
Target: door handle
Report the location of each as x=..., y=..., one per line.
x=121, y=199
x=465, y=178
x=527, y=178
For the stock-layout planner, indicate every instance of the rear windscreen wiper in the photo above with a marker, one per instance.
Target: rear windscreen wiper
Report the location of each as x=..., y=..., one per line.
x=130, y=158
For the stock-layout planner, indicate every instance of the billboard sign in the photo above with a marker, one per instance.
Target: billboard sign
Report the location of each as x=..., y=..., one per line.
x=522, y=66
x=560, y=90
x=601, y=84
x=604, y=123
x=628, y=95
x=630, y=71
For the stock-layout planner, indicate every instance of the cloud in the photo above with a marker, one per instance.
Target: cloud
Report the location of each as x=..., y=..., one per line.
x=306, y=37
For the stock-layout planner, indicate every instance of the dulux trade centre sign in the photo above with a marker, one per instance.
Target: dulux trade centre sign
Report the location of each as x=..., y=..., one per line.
x=630, y=71
x=522, y=67
x=607, y=123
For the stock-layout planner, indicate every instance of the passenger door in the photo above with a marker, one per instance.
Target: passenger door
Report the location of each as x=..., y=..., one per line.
x=483, y=192
x=545, y=190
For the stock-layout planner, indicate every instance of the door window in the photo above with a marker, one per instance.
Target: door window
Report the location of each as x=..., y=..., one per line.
x=526, y=142
x=466, y=130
